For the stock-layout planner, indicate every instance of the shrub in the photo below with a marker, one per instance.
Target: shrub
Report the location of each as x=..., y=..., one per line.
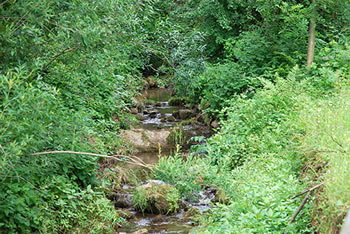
x=34, y=119
x=218, y=84
x=255, y=125
x=260, y=194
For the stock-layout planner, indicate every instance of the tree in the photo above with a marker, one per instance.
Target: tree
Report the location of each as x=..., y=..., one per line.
x=312, y=29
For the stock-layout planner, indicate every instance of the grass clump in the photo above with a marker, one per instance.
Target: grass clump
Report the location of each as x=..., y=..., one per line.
x=156, y=198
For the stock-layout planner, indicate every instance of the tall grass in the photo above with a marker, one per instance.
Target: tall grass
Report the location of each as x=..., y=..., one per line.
x=327, y=132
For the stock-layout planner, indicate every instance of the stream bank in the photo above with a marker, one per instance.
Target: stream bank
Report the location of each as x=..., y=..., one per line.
x=163, y=124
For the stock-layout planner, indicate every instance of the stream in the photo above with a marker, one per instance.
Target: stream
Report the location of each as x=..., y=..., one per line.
x=156, y=120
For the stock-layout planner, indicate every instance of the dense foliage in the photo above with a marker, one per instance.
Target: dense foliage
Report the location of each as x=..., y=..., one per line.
x=69, y=70
x=251, y=72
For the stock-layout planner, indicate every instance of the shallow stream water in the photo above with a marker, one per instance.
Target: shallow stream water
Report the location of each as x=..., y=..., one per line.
x=153, y=117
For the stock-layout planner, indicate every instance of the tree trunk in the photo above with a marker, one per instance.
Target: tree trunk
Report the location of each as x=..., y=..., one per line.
x=311, y=44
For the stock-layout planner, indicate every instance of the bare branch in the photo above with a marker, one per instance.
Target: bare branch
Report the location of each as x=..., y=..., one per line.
x=299, y=208
x=309, y=190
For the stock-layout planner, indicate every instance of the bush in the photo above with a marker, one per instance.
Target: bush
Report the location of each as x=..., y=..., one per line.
x=187, y=175
x=156, y=198
x=256, y=125
x=260, y=194
x=218, y=84
x=46, y=192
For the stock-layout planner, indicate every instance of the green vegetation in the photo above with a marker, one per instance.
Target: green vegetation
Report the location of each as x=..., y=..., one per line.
x=283, y=125
x=156, y=198
x=69, y=71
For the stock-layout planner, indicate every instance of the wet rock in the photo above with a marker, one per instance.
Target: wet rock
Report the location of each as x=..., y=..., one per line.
x=176, y=101
x=147, y=140
x=153, y=114
x=215, y=124
x=186, y=114
x=125, y=214
x=156, y=197
x=176, y=114
x=170, y=118
x=121, y=200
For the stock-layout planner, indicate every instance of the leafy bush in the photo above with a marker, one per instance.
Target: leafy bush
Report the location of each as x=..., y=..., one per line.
x=218, y=84
x=187, y=176
x=46, y=192
x=156, y=198
x=256, y=125
x=67, y=70
x=260, y=194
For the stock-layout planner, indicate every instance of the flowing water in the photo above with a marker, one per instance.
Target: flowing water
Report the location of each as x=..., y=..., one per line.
x=154, y=118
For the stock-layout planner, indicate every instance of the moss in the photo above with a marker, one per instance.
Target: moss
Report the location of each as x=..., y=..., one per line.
x=176, y=101
x=156, y=198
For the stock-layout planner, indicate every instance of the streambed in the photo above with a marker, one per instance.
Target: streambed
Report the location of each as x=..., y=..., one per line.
x=149, y=137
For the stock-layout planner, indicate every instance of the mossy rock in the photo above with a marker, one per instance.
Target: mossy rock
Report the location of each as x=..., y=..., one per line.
x=156, y=198
x=125, y=214
x=176, y=101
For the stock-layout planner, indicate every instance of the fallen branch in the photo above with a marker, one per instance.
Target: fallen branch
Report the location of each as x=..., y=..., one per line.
x=309, y=190
x=134, y=160
x=308, y=193
x=299, y=208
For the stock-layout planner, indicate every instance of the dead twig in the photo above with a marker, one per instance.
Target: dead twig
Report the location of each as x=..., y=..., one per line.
x=299, y=208
x=134, y=160
x=309, y=190
x=308, y=193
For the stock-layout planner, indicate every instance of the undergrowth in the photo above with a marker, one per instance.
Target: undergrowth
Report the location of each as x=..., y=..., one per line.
x=258, y=155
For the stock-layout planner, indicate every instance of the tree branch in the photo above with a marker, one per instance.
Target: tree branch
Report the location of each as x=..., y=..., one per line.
x=299, y=208
x=309, y=190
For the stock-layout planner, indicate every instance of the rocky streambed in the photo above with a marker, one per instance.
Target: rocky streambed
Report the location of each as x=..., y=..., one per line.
x=163, y=123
